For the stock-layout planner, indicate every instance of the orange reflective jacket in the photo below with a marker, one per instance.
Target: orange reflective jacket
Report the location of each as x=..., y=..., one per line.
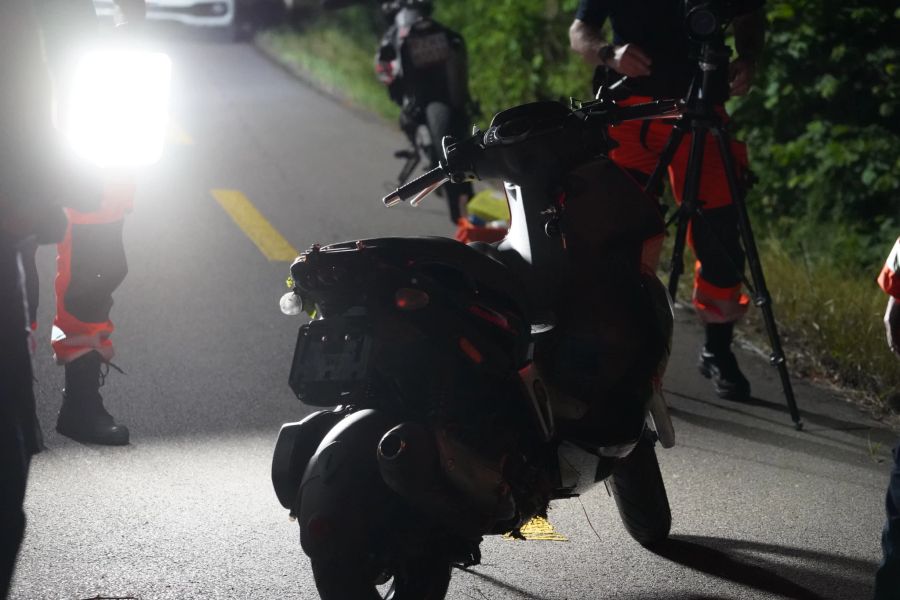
x=889, y=280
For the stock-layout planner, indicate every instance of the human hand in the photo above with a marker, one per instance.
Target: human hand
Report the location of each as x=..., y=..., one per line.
x=740, y=76
x=630, y=60
x=892, y=325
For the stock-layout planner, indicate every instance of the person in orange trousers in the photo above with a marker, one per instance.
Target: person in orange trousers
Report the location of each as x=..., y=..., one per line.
x=90, y=266
x=91, y=257
x=651, y=48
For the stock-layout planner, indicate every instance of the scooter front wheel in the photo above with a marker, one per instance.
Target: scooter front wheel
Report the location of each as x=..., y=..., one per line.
x=640, y=494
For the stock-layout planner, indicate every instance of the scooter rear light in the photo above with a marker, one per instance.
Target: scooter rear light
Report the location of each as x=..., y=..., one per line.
x=410, y=299
x=471, y=351
x=491, y=316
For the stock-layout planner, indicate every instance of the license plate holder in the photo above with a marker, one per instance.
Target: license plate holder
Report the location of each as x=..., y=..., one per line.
x=331, y=362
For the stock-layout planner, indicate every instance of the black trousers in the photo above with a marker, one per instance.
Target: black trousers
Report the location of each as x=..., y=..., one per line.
x=887, y=579
x=18, y=439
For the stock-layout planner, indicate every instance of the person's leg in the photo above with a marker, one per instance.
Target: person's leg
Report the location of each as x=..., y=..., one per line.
x=715, y=240
x=639, y=144
x=13, y=477
x=17, y=419
x=458, y=195
x=90, y=266
x=887, y=578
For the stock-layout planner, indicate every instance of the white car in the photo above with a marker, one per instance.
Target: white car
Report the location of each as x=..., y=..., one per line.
x=195, y=13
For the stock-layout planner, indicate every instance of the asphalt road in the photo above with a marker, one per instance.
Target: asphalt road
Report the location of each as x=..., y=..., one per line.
x=187, y=510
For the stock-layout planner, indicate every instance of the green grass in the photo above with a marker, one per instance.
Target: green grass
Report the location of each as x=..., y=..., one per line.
x=337, y=59
x=832, y=321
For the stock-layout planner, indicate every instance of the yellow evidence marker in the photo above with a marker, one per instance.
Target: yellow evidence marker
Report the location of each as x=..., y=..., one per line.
x=539, y=529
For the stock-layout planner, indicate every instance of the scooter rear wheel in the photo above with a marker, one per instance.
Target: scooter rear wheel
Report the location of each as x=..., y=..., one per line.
x=640, y=494
x=424, y=579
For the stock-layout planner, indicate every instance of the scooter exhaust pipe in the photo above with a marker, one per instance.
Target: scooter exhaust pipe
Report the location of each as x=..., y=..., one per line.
x=408, y=460
x=409, y=463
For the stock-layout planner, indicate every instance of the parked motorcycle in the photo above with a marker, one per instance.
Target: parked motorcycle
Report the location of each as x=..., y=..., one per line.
x=453, y=374
x=424, y=67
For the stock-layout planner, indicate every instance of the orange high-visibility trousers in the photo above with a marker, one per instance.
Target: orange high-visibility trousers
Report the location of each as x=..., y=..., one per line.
x=90, y=266
x=714, y=239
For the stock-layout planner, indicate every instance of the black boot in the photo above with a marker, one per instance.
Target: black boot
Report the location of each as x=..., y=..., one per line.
x=717, y=362
x=82, y=416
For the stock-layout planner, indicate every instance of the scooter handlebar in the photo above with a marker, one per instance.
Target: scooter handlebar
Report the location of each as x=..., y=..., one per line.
x=614, y=114
x=657, y=109
x=416, y=190
x=477, y=157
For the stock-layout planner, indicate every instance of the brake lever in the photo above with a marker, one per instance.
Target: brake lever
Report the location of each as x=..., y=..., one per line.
x=416, y=190
x=426, y=192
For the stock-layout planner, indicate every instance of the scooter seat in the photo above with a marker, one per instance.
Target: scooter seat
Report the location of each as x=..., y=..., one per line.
x=482, y=266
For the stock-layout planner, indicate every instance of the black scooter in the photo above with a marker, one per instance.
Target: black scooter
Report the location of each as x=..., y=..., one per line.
x=455, y=375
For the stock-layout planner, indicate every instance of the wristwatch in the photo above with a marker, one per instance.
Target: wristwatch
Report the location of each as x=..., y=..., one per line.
x=606, y=52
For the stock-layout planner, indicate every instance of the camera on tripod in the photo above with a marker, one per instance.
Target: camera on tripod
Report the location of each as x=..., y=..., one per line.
x=706, y=20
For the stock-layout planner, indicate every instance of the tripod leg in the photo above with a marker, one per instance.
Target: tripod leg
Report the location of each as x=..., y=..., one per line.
x=688, y=207
x=762, y=299
x=676, y=265
x=665, y=159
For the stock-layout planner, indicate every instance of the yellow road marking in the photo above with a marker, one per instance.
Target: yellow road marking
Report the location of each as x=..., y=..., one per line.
x=177, y=136
x=258, y=229
x=540, y=529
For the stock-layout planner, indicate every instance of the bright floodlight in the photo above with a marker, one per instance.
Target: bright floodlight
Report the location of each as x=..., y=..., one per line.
x=117, y=113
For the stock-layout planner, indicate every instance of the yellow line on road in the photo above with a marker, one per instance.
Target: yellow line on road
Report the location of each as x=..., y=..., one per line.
x=271, y=243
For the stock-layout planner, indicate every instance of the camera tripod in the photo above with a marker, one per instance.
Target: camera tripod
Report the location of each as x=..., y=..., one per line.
x=696, y=116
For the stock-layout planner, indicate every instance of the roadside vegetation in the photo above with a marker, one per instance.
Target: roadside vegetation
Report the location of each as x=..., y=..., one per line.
x=335, y=51
x=823, y=128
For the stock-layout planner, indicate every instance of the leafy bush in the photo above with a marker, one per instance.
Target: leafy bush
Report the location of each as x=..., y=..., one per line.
x=518, y=49
x=824, y=128
x=831, y=323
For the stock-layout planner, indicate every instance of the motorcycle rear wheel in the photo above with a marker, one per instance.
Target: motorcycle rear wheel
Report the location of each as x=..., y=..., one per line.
x=640, y=494
x=423, y=579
